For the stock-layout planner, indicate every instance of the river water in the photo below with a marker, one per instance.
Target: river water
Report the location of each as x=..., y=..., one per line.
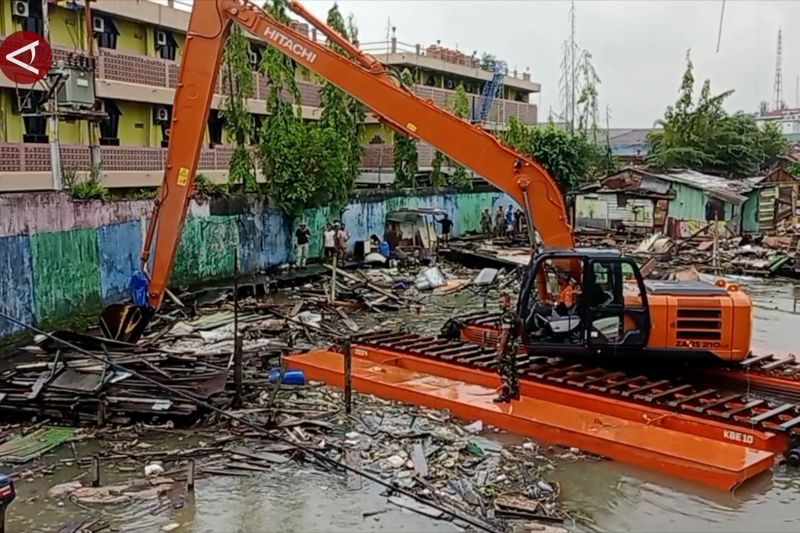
x=618, y=497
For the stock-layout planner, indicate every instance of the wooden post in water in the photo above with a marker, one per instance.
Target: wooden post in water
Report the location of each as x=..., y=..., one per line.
x=715, y=254
x=237, y=341
x=190, y=476
x=348, y=376
x=333, y=281
x=96, y=470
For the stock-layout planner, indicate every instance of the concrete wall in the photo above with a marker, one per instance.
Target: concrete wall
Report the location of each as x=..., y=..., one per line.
x=59, y=257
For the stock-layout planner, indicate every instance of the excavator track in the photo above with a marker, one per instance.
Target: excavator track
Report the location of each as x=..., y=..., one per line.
x=730, y=408
x=767, y=373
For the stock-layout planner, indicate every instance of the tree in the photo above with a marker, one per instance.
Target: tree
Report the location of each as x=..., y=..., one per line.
x=343, y=115
x=566, y=156
x=238, y=85
x=284, y=137
x=461, y=178
x=437, y=176
x=701, y=135
x=406, y=157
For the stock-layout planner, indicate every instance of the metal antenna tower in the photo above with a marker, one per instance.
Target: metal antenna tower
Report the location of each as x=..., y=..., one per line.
x=778, y=88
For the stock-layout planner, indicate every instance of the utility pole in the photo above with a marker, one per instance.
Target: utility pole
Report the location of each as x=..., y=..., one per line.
x=51, y=107
x=94, y=147
x=572, y=58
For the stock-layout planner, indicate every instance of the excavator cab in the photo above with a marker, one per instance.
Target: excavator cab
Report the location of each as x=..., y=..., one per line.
x=596, y=305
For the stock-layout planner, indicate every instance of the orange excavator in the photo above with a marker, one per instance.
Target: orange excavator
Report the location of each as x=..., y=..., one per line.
x=610, y=310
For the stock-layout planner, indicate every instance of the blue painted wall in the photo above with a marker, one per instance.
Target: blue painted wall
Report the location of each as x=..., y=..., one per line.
x=16, y=282
x=119, y=246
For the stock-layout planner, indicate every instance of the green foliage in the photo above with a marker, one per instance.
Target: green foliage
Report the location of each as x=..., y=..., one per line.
x=344, y=116
x=703, y=136
x=438, y=178
x=238, y=85
x=406, y=161
x=283, y=133
x=794, y=169
x=566, y=156
x=204, y=187
x=89, y=188
x=406, y=157
x=461, y=103
x=460, y=107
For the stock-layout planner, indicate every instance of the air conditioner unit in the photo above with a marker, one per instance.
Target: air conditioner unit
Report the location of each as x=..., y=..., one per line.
x=21, y=8
x=253, y=59
x=98, y=25
x=161, y=38
x=161, y=114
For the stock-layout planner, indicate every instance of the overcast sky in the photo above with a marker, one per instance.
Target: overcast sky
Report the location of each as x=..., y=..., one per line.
x=638, y=46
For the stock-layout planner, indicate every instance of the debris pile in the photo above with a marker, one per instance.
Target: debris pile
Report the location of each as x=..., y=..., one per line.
x=750, y=255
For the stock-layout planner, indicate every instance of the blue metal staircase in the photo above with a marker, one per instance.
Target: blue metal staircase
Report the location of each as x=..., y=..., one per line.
x=490, y=90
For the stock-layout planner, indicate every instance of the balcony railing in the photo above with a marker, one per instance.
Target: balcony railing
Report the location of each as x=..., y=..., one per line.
x=393, y=46
x=118, y=66
x=22, y=157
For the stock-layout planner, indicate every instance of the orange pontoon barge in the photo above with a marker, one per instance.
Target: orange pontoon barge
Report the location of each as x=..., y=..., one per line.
x=694, y=448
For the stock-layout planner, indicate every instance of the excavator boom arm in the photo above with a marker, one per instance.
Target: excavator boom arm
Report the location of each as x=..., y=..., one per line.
x=365, y=79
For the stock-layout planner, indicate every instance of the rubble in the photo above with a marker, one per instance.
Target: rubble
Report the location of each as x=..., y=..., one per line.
x=450, y=464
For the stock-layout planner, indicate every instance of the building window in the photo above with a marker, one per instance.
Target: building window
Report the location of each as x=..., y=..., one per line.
x=109, y=126
x=166, y=45
x=255, y=134
x=162, y=116
x=35, y=125
x=215, y=122
x=256, y=52
x=34, y=21
x=105, y=32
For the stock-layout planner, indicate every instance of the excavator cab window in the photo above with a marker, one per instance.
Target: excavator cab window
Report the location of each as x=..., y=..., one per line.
x=616, y=303
x=551, y=302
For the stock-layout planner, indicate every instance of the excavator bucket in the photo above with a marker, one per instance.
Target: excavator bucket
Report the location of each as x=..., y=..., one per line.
x=125, y=322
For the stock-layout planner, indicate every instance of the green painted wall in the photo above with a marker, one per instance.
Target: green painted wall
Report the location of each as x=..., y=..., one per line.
x=132, y=36
x=207, y=248
x=67, y=273
x=12, y=126
x=67, y=28
x=134, y=124
x=750, y=212
x=689, y=203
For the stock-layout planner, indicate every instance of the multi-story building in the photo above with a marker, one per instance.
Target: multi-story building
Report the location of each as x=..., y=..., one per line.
x=138, y=47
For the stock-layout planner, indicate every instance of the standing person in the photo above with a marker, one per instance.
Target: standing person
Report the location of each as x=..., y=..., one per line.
x=509, y=221
x=302, y=237
x=518, y=221
x=499, y=221
x=447, y=226
x=486, y=222
x=510, y=327
x=341, y=241
x=329, y=242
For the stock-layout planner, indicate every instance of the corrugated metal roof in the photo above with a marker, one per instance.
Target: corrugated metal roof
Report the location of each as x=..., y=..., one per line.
x=727, y=190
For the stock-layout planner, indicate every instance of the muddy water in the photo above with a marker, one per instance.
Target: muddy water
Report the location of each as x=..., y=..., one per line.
x=294, y=498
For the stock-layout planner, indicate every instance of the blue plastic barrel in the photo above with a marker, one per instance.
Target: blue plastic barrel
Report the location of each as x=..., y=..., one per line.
x=290, y=377
x=383, y=248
